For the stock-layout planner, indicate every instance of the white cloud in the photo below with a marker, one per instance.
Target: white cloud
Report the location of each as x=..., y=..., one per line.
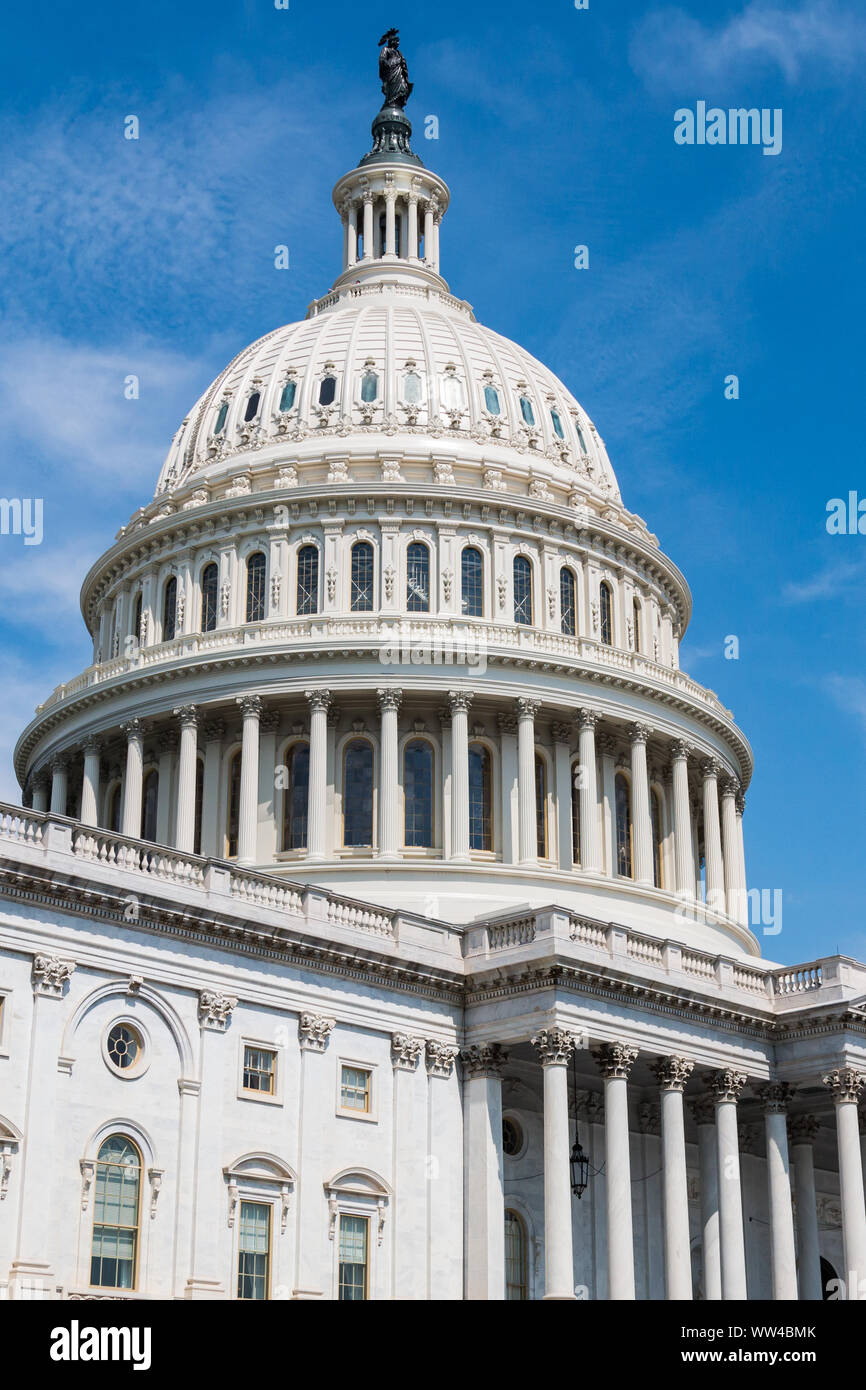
x=816, y=37
x=834, y=580
x=849, y=693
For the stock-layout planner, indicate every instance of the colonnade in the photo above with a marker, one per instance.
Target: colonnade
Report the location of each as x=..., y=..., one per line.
x=423, y=216
x=795, y=1259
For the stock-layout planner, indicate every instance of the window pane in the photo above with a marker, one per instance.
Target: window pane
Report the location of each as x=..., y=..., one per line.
x=328, y=390
x=522, y=590
x=575, y=816
x=169, y=611
x=541, y=806
x=353, y=1257
x=148, y=806
x=234, y=806
x=199, y=804
x=256, y=588
x=115, y=1214
x=515, y=1257
x=567, y=602
x=623, y=826
x=254, y=1250
x=221, y=418
x=418, y=578
x=259, y=1070
x=362, y=577
x=296, y=797
x=637, y=632
x=418, y=794
x=369, y=387
x=308, y=581
x=557, y=424
x=412, y=388
x=472, y=575
x=287, y=398
x=656, y=817
x=358, y=795
x=480, y=822
x=491, y=400
x=209, y=580
x=526, y=411
x=605, y=615
x=252, y=407
x=355, y=1089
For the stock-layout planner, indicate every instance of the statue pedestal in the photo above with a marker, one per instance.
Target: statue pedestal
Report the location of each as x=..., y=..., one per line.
x=392, y=131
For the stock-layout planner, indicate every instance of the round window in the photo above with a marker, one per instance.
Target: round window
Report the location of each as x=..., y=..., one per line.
x=123, y=1046
x=512, y=1138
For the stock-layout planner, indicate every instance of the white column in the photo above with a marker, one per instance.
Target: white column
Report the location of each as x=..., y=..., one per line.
x=352, y=248
x=526, y=711
x=744, y=887
x=672, y=1074
x=485, y=1202
x=89, y=813
x=134, y=778
x=683, y=848
x=412, y=247
x=845, y=1085
x=319, y=702
x=590, y=839
x=59, y=786
x=803, y=1129
x=213, y=735
x=607, y=748
x=731, y=846
x=643, y=835
x=411, y=1178
x=166, y=798
x=207, y=1270
x=390, y=223
x=437, y=221
x=509, y=794
x=775, y=1098
x=389, y=705
x=704, y=1112
x=726, y=1086
x=713, y=838
x=368, y=227
x=184, y=834
x=251, y=708
x=563, y=794
x=615, y=1062
x=554, y=1048
x=40, y=794
x=428, y=235
x=459, y=702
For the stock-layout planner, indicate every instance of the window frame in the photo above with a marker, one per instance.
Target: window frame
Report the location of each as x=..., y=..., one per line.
x=251, y=597
x=313, y=549
x=286, y=760
x=171, y=579
x=202, y=612
x=620, y=773
x=139, y=1227
x=274, y=1097
x=145, y=1050
x=356, y=544
x=511, y=1214
x=605, y=588
x=420, y=850
x=269, y=1208
x=371, y=1114
x=521, y=560
x=471, y=549
x=491, y=766
x=358, y=850
x=568, y=576
x=422, y=545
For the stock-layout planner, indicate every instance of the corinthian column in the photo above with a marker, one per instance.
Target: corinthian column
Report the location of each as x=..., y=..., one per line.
x=526, y=711
x=775, y=1098
x=672, y=1074
x=615, y=1061
x=319, y=702
x=186, y=768
x=369, y=249
x=803, y=1129
x=412, y=247
x=134, y=779
x=59, y=786
x=554, y=1047
x=89, y=813
x=251, y=709
x=590, y=840
x=643, y=835
x=389, y=704
x=726, y=1086
x=730, y=847
x=485, y=1204
x=704, y=1112
x=459, y=702
x=845, y=1085
x=713, y=837
x=683, y=850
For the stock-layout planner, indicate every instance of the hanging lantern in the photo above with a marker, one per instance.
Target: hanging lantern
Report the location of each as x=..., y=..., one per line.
x=579, y=1169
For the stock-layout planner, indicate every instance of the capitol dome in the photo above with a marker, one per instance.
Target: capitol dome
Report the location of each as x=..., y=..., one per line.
x=387, y=627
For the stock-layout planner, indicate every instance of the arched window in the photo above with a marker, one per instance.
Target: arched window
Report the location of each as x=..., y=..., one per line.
x=472, y=582
x=136, y=617
x=209, y=588
x=418, y=794
x=575, y=814
x=287, y=396
x=256, y=588
x=580, y=438
x=605, y=614
x=418, y=578
x=638, y=643
x=115, y=809
x=522, y=590
x=252, y=408
x=254, y=1250
x=327, y=390
x=656, y=819
x=149, y=800
x=369, y=387
x=308, y=580
x=541, y=806
x=199, y=804
x=623, y=826
x=116, y=1206
x=556, y=421
x=412, y=392
x=358, y=794
x=515, y=1257
x=296, y=797
x=169, y=610
x=480, y=799
x=492, y=401
x=567, y=602
x=527, y=412
x=362, y=577
x=233, y=809
x=220, y=424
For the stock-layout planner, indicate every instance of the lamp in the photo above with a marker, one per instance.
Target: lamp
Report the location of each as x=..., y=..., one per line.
x=579, y=1162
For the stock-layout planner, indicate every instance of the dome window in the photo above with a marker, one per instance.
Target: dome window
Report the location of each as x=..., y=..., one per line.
x=452, y=391
x=418, y=578
x=412, y=388
x=369, y=387
x=327, y=390
x=557, y=424
x=169, y=610
x=209, y=586
x=522, y=572
x=256, y=565
x=221, y=418
x=527, y=412
x=252, y=409
x=580, y=439
x=491, y=400
x=287, y=399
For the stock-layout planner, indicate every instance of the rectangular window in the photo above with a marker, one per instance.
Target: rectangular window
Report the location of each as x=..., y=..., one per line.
x=254, y=1250
x=260, y=1070
x=355, y=1090
x=354, y=1242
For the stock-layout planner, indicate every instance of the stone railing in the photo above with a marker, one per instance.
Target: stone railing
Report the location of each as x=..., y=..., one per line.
x=349, y=293
x=800, y=979
x=25, y=827
x=137, y=856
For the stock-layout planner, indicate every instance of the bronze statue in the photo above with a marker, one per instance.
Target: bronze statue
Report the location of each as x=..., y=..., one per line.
x=396, y=86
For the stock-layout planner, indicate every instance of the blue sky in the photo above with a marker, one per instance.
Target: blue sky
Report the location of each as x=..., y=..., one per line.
x=155, y=257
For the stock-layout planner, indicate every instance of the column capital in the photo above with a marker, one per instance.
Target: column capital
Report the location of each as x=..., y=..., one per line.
x=389, y=699
x=741, y=803
x=507, y=723
x=726, y=1084
x=50, y=976
x=459, y=700
x=134, y=728
x=710, y=768
x=554, y=1046
x=561, y=732
x=729, y=785
x=250, y=706
x=527, y=709
x=680, y=749
x=406, y=1051
x=803, y=1129
x=615, y=1060
x=439, y=1057
x=314, y=1030
x=92, y=746
x=775, y=1097
x=187, y=715
x=639, y=733
x=483, y=1059
x=844, y=1084
x=215, y=1010
x=672, y=1073
x=588, y=719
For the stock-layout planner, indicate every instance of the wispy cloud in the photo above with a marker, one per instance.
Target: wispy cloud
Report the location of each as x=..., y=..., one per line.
x=840, y=577
x=849, y=693
x=820, y=38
